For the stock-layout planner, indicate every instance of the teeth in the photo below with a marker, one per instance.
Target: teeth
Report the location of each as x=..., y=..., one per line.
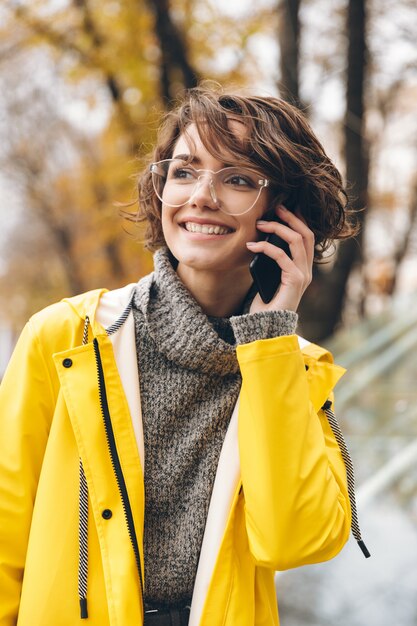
x=206, y=229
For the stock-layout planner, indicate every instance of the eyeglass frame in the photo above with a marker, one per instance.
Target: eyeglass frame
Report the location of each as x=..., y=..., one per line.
x=265, y=183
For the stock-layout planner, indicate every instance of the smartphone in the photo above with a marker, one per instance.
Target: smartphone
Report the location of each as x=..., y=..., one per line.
x=266, y=272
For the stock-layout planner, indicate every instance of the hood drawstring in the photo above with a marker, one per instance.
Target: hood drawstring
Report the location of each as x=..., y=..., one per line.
x=331, y=418
x=83, y=544
x=83, y=488
x=83, y=524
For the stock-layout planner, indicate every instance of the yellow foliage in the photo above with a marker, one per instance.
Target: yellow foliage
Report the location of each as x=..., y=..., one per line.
x=108, y=55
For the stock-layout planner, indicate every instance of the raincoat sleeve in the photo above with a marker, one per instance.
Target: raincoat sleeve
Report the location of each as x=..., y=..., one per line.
x=26, y=408
x=294, y=479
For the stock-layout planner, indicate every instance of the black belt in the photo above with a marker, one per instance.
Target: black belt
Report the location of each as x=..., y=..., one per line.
x=167, y=617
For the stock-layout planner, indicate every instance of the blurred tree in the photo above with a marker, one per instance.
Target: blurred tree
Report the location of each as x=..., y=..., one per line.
x=355, y=148
x=108, y=69
x=289, y=43
x=69, y=238
x=176, y=71
x=115, y=60
x=122, y=63
x=322, y=307
x=69, y=176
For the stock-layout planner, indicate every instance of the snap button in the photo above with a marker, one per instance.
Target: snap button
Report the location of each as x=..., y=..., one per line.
x=67, y=362
x=106, y=514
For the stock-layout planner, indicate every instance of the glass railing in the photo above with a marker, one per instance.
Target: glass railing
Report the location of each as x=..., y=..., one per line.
x=376, y=404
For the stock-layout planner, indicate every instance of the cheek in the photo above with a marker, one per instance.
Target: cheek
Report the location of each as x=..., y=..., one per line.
x=169, y=228
x=248, y=221
x=248, y=226
x=166, y=219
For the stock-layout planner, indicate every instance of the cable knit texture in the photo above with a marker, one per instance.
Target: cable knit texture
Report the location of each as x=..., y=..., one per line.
x=189, y=383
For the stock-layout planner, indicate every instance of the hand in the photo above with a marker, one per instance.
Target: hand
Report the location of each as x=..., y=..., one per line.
x=296, y=272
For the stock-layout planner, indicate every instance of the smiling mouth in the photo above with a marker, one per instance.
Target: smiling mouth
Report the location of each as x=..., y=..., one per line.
x=206, y=229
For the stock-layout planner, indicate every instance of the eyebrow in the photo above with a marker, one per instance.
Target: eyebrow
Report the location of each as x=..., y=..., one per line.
x=186, y=157
x=195, y=160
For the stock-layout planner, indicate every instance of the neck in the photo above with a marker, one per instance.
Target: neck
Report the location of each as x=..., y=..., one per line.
x=218, y=295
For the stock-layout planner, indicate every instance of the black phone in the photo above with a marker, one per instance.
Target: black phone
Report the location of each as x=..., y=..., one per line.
x=266, y=272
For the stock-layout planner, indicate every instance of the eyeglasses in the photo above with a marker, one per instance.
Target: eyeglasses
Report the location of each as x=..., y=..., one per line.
x=234, y=190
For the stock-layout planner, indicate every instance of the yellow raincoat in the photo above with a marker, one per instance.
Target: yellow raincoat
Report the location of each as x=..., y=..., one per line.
x=279, y=500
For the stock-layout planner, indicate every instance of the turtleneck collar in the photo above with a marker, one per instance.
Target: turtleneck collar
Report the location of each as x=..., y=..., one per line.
x=178, y=325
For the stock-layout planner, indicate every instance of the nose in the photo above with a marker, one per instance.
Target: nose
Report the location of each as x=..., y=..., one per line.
x=204, y=194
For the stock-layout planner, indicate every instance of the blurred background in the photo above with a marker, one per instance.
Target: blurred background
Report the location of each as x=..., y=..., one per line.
x=83, y=84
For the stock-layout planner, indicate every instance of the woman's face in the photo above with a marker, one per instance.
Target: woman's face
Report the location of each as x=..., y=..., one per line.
x=225, y=252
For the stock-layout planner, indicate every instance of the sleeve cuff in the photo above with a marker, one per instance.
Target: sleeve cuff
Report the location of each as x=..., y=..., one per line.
x=263, y=325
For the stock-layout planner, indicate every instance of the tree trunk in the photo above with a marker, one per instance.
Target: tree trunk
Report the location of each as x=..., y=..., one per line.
x=288, y=36
x=176, y=68
x=322, y=307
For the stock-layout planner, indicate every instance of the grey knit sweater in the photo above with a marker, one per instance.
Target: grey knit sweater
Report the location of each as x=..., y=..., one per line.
x=189, y=383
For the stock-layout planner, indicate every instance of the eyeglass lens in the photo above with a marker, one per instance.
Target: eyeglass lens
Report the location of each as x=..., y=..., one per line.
x=233, y=190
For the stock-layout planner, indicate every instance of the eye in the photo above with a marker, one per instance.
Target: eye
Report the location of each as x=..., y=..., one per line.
x=179, y=172
x=240, y=179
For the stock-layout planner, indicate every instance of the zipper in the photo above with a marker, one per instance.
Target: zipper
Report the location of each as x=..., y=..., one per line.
x=117, y=468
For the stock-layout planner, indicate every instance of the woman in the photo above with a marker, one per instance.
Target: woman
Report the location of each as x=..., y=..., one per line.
x=166, y=447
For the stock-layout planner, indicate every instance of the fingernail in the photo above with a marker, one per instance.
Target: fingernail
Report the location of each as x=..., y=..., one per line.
x=251, y=243
x=282, y=208
x=261, y=222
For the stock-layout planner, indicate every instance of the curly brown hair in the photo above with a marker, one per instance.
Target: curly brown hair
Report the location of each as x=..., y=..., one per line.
x=279, y=142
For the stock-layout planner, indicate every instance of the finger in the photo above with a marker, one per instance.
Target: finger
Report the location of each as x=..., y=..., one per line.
x=295, y=241
x=287, y=264
x=294, y=222
x=293, y=279
x=297, y=223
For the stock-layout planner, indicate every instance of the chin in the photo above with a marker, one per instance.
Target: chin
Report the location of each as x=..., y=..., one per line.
x=200, y=260
x=205, y=260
